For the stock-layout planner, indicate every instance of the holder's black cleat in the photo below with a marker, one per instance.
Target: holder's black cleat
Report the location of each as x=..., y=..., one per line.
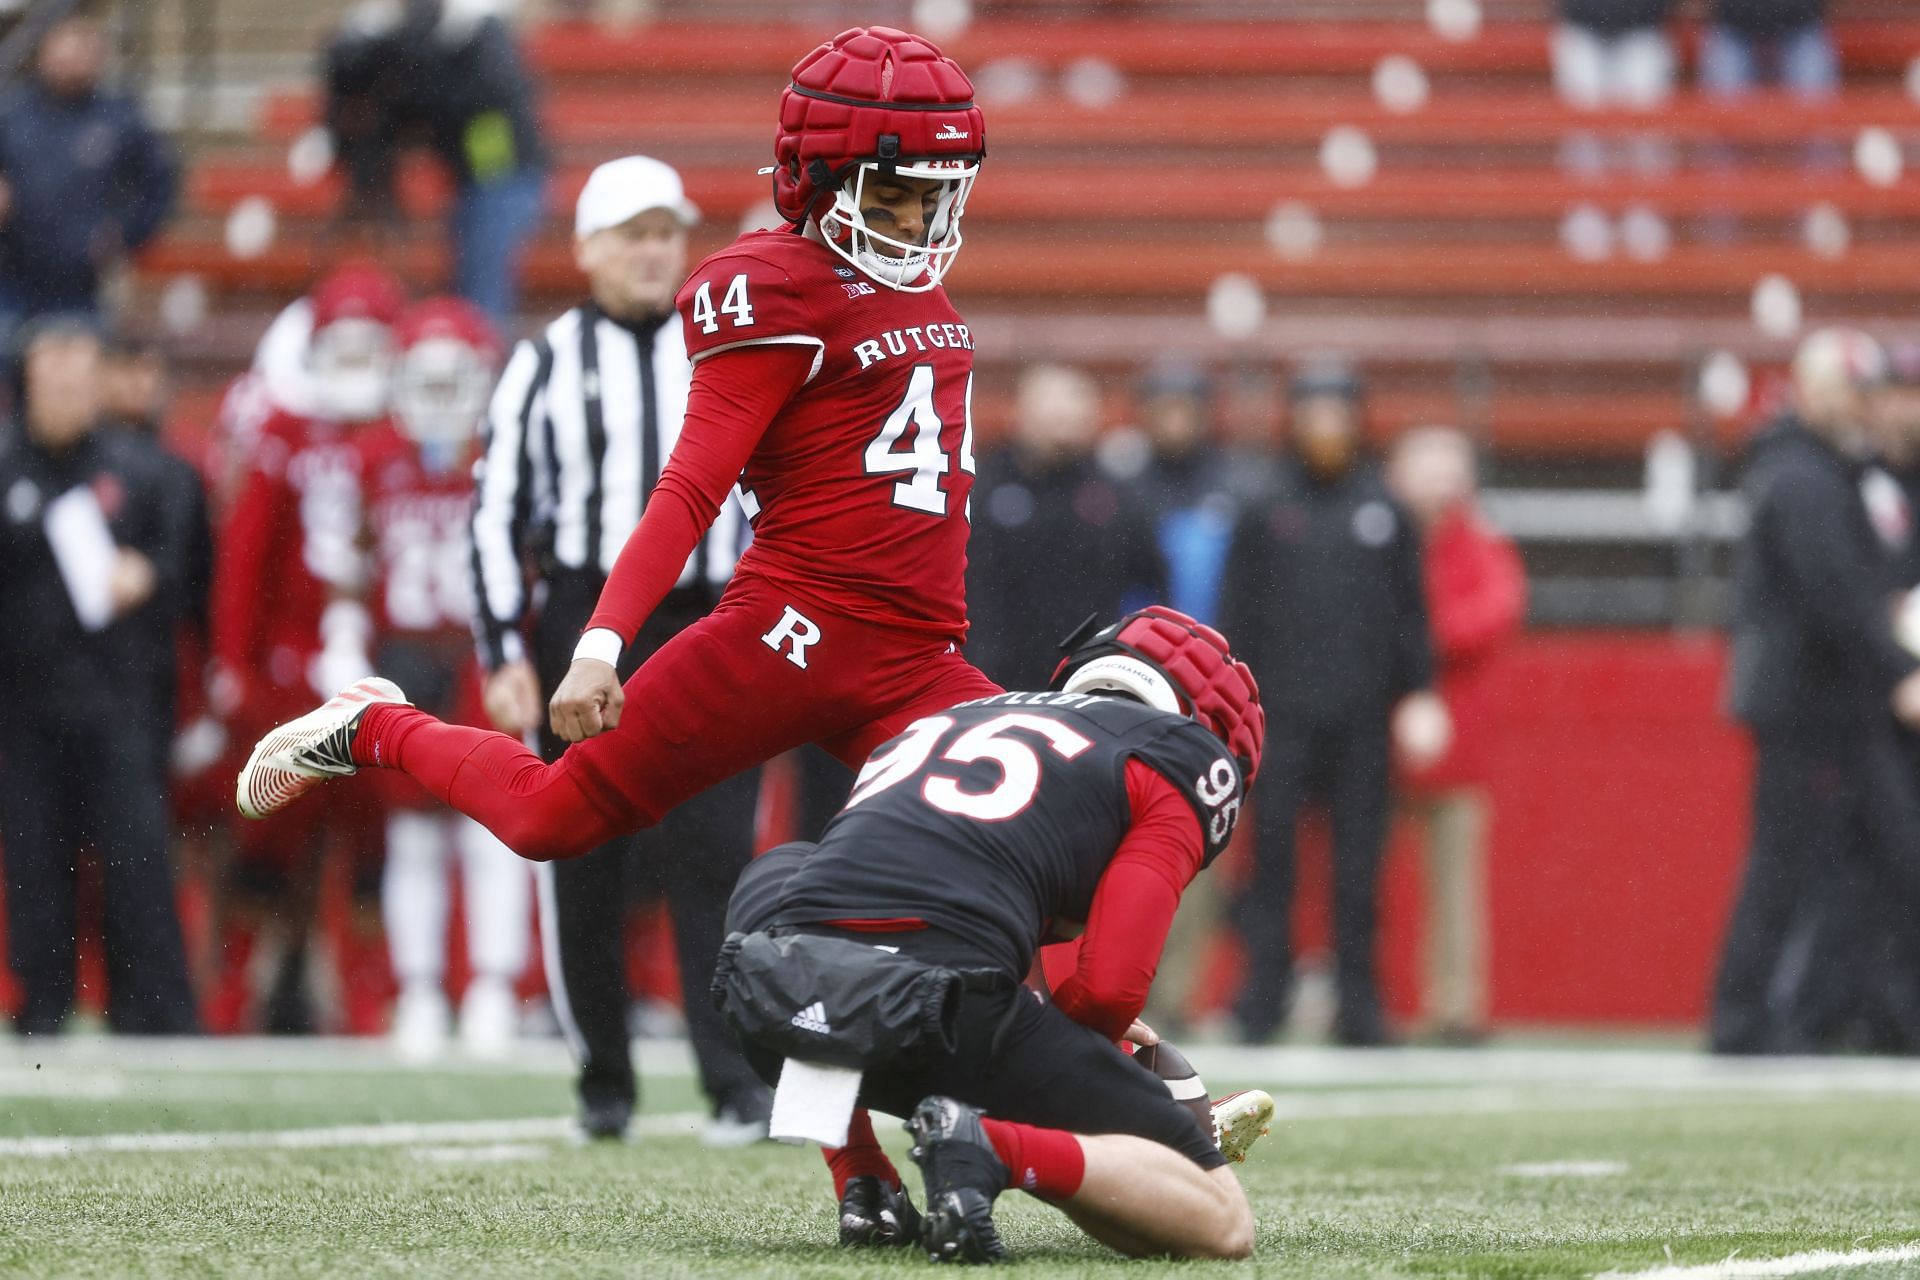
x=875, y=1214
x=963, y=1175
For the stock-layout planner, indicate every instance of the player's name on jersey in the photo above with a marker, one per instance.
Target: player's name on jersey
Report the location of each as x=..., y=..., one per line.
x=915, y=339
x=1035, y=699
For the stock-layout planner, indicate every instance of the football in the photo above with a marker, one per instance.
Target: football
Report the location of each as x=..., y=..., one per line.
x=1182, y=1081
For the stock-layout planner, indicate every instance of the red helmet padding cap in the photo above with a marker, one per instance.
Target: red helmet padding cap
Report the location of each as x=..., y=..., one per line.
x=358, y=291
x=449, y=317
x=865, y=84
x=1219, y=688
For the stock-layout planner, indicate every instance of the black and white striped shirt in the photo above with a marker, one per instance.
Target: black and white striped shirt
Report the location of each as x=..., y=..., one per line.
x=582, y=420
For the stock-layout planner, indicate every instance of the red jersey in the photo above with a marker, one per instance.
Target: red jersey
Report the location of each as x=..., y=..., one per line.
x=421, y=593
x=858, y=487
x=290, y=545
x=423, y=552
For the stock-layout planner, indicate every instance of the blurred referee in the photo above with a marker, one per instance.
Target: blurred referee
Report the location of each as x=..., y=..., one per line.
x=581, y=424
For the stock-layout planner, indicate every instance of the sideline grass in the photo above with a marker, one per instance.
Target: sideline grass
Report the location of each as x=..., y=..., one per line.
x=1761, y=1165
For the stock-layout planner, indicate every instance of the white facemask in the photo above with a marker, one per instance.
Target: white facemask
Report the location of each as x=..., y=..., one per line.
x=917, y=268
x=439, y=394
x=352, y=363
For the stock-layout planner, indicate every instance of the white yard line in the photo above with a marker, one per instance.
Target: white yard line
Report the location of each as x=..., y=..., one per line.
x=494, y=1153
x=1676, y=1070
x=1438, y=1100
x=664, y=1124
x=1794, y=1264
x=1566, y=1169
x=333, y=1055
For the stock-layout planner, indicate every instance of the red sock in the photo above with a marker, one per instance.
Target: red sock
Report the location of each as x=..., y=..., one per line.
x=860, y=1158
x=1047, y=1162
x=538, y=810
x=382, y=729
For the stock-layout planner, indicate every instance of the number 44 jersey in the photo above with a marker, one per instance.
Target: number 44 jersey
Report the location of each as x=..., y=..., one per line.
x=858, y=488
x=998, y=818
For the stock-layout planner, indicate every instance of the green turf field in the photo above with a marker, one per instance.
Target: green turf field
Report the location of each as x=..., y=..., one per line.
x=323, y=1159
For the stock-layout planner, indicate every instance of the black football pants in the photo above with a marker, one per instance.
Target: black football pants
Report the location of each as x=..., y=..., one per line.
x=1346, y=764
x=73, y=787
x=693, y=856
x=1017, y=1059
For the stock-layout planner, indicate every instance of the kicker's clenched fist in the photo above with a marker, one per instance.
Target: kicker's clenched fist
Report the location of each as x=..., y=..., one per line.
x=587, y=702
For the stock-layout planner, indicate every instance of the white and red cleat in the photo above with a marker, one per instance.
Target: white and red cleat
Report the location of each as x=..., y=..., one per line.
x=1239, y=1119
x=303, y=753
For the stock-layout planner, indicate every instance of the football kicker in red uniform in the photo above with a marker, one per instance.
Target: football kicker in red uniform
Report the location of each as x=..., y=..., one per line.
x=831, y=378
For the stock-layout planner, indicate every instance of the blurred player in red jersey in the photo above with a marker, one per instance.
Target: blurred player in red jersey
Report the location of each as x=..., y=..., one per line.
x=279, y=380
x=831, y=379
x=287, y=620
x=418, y=503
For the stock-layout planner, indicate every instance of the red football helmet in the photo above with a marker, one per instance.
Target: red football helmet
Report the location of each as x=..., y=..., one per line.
x=448, y=356
x=1165, y=659
x=360, y=291
x=877, y=100
x=351, y=352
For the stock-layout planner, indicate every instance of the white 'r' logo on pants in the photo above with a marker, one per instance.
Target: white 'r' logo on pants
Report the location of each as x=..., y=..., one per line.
x=797, y=631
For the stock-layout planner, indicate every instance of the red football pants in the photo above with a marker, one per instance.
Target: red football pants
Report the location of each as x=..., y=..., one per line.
x=762, y=674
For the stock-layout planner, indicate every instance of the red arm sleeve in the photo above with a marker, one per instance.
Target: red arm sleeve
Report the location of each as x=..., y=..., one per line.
x=732, y=400
x=1133, y=907
x=1055, y=965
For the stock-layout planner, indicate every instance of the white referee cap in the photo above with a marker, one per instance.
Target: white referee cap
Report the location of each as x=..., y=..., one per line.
x=620, y=189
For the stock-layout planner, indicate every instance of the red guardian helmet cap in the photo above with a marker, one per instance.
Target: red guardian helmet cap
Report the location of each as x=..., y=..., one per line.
x=359, y=291
x=874, y=101
x=449, y=354
x=1167, y=660
x=351, y=353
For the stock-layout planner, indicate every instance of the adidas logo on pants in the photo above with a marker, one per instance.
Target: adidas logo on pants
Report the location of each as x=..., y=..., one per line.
x=813, y=1018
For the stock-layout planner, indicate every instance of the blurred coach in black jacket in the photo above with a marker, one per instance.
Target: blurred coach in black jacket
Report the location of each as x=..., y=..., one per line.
x=1322, y=592
x=85, y=545
x=1817, y=677
x=1054, y=539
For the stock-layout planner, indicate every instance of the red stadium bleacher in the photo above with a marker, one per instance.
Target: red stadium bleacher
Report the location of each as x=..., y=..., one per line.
x=1122, y=206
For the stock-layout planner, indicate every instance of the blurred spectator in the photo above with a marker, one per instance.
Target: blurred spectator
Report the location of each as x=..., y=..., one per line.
x=1323, y=593
x=419, y=500
x=83, y=548
x=1477, y=598
x=580, y=425
x=135, y=390
x=447, y=73
x=287, y=625
x=1858, y=986
x=1748, y=42
x=1054, y=539
x=83, y=180
x=1613, y=54
x=1896, y=411
x=1893, y=999
x=1816, y=670
x=1187, y=485
x=1253, y=413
